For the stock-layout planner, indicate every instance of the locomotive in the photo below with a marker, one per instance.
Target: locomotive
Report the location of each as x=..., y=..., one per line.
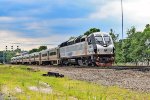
x=96, y=49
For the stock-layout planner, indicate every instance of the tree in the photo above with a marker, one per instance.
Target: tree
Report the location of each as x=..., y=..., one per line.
x=33, y=50
x=92, y=30
x=113, y=35
x=133, y=48
x=17, y=50
x=9, y=55
x=131, y=31
x=38, y=50
x=42, y=48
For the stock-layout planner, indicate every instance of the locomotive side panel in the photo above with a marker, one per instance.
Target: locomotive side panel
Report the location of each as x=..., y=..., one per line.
x=75, y=50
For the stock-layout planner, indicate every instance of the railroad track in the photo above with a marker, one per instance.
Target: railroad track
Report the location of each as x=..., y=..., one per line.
x=138, y=68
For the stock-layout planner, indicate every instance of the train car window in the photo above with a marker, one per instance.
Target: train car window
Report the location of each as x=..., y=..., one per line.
x=36, y=56
x=68, y=43
x=83, y=39
x=65, y=44
x=89, y=41
x=52, y=53
x=99, y=40
x=44, y=55
x=54, y=62
x=107, y=39
x=72, y=42
x=78, y=40
x=61, y=45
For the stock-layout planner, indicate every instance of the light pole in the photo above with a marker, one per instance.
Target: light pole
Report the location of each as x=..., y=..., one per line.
x=122, y=32
x=147, y=43
x=122, y=17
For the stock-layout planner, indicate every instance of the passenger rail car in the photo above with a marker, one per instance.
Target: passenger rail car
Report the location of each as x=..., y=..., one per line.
x=25, y=59
x=45, y=57
x=50, y=56
x=97, y=49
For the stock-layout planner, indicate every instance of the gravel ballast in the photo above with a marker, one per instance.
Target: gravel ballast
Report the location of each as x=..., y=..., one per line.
x=129, y=79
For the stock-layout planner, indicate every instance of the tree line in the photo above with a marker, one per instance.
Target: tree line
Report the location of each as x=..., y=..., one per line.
x=134, y=47
x=38, y=49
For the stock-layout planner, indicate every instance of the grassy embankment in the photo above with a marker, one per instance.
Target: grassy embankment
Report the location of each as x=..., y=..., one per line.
x=17, y=81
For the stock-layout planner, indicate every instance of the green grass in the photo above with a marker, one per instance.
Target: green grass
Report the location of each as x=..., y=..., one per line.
x=63, y=88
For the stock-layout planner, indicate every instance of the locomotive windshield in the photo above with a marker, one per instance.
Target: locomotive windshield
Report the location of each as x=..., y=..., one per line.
x=99, y=40
x=103, y=40
x=107, y=39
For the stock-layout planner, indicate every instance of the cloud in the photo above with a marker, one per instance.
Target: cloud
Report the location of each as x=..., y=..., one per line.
x=135, y=11
x=6, y=19
x=106, y=11
x=10, y=38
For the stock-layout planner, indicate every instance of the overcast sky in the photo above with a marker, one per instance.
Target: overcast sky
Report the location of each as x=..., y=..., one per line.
x=54, y=21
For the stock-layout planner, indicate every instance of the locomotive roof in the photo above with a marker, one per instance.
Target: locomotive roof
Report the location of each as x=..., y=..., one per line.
x=43, y=51
x=27, y=55
x=81, y=36
x=100, y=33
x=71, y=40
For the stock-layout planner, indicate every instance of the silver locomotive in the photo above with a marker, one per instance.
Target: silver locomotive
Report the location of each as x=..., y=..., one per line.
x=95, y=49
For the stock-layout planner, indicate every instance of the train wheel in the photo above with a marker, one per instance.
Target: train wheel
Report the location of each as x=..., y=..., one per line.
x=86, y=63
x=80, y=62
x=93, y=64
x=83, y=63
